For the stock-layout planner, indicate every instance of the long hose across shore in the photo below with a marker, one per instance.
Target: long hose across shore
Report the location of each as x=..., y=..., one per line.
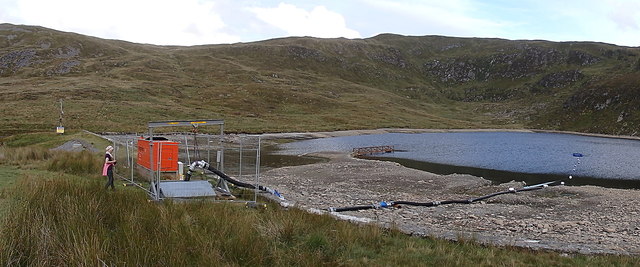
x=390, y=204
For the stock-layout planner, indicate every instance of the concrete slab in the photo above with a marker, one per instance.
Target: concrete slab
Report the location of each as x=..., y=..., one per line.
x=186, y=189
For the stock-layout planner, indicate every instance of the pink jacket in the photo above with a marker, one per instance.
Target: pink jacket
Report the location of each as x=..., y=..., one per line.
x=105, y=168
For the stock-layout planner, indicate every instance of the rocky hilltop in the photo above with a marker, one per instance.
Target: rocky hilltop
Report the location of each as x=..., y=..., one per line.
x=294, y=84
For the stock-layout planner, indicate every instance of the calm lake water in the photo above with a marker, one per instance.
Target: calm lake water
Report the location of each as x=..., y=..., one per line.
x=501, y=156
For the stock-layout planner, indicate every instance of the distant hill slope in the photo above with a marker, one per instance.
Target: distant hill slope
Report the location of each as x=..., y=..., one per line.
x=309, y=84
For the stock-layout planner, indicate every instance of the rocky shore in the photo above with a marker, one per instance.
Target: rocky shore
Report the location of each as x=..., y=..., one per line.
x=571, y=219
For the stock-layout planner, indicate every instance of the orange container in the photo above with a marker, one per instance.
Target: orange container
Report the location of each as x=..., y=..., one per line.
x=164, y=152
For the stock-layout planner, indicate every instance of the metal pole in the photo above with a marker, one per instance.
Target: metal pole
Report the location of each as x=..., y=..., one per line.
x=186, y=145
x=196, y=149
x=159, y=159
x=218, y=156
x=240, y=164
x=129, y=159
x=255, y=196
x=61, y=112
x=132, y=163
x=115, y=152
x=221, y=142
x=208, y=148
x=128, y=156
x=156, y=187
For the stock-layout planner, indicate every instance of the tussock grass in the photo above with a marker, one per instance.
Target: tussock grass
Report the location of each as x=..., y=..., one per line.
x=67, y=220
x=23, y=155
x=78, y=163
x=74, y=222
x=28, y=139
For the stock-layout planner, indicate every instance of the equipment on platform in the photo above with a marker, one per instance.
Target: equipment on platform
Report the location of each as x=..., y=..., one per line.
x=165, y=154
x=162, y=156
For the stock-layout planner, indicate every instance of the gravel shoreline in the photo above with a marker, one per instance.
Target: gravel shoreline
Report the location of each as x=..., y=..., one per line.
x=572, y=219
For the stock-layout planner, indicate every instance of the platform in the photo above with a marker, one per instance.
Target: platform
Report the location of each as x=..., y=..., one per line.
x=186, y=189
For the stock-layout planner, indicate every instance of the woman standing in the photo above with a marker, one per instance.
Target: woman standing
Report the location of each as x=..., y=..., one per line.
x=107, y=169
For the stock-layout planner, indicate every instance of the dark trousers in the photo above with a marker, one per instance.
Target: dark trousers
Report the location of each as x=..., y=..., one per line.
x=110, y=181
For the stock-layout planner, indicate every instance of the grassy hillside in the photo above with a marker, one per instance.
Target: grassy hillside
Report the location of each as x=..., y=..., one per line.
x=307, y=84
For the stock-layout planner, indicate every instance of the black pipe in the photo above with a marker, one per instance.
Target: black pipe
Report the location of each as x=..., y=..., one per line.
x=445, y=202
x=204, y=165
x=490, y=196
x=221, y=174
x=354, y=208
x=463, y=201
x=229, y=179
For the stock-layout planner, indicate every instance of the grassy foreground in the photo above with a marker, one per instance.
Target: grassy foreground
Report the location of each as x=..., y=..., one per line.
x=55, y=214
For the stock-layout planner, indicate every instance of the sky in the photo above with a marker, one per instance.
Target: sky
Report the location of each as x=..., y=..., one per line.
x=196, y=22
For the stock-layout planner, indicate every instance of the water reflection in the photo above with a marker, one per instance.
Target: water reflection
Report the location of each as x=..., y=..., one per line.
x=271, y=159
x=498, y=176
x=501, y=156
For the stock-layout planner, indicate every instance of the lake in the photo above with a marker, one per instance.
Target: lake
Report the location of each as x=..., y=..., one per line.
x=500, y=156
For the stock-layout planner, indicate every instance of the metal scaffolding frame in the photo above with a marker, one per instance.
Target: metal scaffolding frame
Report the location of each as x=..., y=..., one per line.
x=243, y=152
x=155, y=177
x=247, y=150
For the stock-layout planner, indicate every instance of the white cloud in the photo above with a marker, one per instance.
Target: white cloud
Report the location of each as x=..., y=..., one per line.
x=185, y=22
x=609, y=21
x=189, y=22
x=452, y=17
x=626, y=15
x=319, y=22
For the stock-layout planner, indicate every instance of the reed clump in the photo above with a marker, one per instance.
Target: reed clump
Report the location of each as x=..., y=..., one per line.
x=60, y=221
x=68, y=220
x=79, y=163
x=23, y=155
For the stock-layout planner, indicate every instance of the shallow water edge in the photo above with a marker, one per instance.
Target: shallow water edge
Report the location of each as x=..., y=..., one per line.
x=498, y=176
